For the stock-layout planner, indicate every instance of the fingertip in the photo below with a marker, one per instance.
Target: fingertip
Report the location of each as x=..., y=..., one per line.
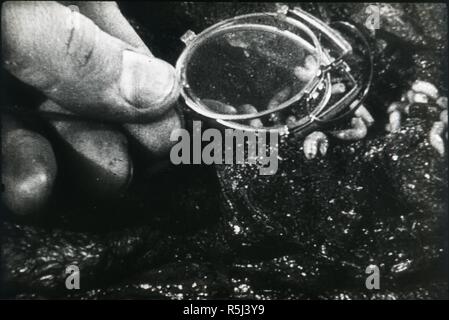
x=29, y=168
x=148, y=83
x=154, y=137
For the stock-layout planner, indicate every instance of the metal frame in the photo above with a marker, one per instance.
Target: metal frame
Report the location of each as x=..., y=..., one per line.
x=305, y=22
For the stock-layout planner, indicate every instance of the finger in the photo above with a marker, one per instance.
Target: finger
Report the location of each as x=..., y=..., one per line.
x=98, y=152
x=155, y=136
x=108, y=17
x=82, y=68
x=28, y=168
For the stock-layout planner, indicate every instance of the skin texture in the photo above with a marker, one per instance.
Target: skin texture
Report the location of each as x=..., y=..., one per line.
x=76, y=56
x=107, y=17
x=28, y=168
x=155, y=136
x=96, y=151
x=90, y=63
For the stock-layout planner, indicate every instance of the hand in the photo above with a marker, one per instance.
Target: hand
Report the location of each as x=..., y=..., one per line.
x=89, y=61
x=99, y=67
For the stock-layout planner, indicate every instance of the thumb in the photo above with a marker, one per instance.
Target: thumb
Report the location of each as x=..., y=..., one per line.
x=82, y=68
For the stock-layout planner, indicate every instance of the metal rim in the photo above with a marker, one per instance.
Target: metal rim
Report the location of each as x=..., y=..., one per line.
x=321, y=114
x=194, y=102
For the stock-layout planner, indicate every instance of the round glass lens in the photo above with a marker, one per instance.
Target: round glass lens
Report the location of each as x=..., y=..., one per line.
x=249, y=66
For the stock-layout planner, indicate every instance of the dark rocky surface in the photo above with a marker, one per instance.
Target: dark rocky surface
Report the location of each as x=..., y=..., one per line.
x=307, y=232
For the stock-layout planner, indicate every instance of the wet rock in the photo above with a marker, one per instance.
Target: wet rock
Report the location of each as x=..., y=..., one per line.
x=34, y=259
x=379, y=202
x=429, y=65
x=176, y=281
x=166, y=224
x=427, y=291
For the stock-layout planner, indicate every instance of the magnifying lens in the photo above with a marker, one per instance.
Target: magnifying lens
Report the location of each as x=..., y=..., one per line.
x=275, y=71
